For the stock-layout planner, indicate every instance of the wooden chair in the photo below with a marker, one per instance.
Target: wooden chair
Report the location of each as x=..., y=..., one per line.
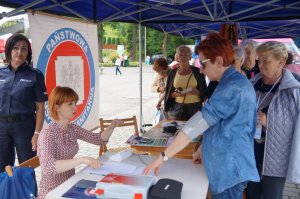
x=127, y=122
x=32, y=163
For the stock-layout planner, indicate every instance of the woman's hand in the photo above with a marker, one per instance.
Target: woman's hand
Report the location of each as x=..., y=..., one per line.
x=105, y=135
x=92, y=162
x=116, y=122
x=34, y=140
x=197, y=156
x=155, y=165
x=195, y=91
x=176, y=94
x=158, y=105
x=161, y=89
x=262, y=119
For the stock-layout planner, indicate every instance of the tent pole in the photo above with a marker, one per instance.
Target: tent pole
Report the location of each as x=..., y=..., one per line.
x=145, y=44
x=141, y=69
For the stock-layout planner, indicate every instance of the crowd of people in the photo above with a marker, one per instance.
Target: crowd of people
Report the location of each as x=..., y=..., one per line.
x=247, y=114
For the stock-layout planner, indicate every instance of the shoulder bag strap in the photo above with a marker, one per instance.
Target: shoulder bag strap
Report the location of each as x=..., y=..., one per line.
x=187, y=86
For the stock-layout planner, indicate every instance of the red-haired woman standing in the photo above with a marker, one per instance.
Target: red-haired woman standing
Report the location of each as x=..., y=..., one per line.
x=228, y=120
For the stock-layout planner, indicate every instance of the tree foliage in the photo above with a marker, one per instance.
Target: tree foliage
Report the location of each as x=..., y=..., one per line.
x=127, y=34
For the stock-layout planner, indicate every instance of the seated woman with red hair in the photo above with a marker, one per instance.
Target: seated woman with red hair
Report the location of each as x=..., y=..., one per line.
x=57, y=144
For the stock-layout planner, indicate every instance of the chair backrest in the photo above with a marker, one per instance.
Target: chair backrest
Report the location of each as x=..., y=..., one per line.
x=131, y=121
x=32, y=163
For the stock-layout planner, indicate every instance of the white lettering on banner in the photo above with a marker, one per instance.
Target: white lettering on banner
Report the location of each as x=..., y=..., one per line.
x=89, y=104
x=46, y=110
x=66, y=35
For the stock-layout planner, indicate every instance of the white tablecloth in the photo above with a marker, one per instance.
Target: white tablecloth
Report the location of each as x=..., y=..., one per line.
x=193, y=176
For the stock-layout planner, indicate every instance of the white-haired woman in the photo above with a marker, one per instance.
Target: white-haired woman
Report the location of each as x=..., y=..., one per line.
x=250, y=66
x=277, y=145
x=239, y=58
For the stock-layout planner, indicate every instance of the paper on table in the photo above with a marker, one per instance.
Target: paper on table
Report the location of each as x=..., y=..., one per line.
x=111, y=167
x=139, y=171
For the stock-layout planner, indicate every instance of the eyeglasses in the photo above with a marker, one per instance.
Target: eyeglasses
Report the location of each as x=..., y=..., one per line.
x=202, y=63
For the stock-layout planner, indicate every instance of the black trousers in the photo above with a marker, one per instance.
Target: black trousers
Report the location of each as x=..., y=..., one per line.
x=269, y=187
x=16, y=135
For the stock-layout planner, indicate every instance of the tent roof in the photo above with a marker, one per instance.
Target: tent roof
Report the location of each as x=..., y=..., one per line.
x=189, y=18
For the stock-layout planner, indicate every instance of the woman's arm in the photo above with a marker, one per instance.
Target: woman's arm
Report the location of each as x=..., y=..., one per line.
x=162, y=97
x=108, y=131
x=40, y=114
x=177, y=145
x=97, y=138
x=66, y=165
x=155, y=84
x=195, y=126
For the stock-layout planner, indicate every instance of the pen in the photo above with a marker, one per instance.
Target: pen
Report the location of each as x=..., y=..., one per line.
x=97, y=174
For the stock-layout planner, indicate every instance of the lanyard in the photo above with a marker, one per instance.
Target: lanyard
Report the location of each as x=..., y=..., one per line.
x=263, y=99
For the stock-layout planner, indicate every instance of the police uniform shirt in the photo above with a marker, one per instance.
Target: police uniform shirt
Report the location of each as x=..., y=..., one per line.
x=20, y=90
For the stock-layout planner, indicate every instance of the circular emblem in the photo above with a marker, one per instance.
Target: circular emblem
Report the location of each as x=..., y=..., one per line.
x=66, y=60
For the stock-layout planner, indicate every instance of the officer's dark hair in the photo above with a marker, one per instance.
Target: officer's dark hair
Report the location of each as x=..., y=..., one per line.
x=11, y=42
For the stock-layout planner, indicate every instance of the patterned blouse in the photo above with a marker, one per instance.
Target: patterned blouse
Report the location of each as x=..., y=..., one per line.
x=56, y=143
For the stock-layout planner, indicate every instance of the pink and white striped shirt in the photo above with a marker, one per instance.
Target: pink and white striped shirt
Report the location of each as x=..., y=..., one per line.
x=57, y=143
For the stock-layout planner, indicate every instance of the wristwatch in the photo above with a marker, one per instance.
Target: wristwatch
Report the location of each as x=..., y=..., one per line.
x=164, y=156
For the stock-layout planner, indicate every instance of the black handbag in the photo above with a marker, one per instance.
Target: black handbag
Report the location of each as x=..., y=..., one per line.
x=166, y=189
x=177, y=110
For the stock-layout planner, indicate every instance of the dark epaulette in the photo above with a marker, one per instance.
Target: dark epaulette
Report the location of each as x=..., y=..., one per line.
x=36, y=70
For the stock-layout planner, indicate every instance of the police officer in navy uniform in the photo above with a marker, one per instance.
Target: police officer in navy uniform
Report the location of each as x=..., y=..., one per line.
x=22, y=97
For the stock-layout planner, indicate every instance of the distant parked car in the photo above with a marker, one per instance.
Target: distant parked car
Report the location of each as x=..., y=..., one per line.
x=154, y=57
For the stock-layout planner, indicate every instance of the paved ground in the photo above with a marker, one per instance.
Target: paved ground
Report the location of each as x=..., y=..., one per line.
x=119, y=97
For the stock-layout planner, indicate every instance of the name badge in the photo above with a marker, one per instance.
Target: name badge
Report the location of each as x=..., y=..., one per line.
x=257, y=134
x=25, y=80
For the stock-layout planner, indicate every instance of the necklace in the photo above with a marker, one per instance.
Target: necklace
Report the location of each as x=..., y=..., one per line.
x=259, y=102
x=184, y=71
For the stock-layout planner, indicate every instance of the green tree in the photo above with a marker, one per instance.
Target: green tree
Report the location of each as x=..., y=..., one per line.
x=133, y=44
x=174, y=41
x=109, y=40
x=127, y=35
x=100, y=32
x=104, y=40
x=154, y=42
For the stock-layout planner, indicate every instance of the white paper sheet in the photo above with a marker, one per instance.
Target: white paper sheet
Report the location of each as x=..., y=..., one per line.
x=111, y=167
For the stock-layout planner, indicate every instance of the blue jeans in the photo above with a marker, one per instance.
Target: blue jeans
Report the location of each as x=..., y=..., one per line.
x=118, y=70
x=235, y=192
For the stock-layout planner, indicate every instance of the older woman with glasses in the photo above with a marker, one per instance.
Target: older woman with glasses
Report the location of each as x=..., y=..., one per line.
x=227, y=122
x=277, y=144
x=185, y=90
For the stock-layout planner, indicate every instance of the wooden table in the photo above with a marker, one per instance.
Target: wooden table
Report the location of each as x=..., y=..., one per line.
x=157, y=131
x=193, y=176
